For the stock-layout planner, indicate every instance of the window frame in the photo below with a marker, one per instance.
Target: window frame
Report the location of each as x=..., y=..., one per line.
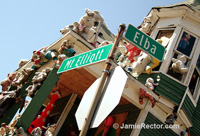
x=155, y=35
x=189, y=58
x=196, y=92
x=179, y=39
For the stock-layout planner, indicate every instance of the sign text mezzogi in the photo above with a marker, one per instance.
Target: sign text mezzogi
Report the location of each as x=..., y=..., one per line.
x=86, y=58
x=144, y=42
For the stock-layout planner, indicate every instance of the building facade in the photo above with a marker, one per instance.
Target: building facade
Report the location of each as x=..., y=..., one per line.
x=174, y=97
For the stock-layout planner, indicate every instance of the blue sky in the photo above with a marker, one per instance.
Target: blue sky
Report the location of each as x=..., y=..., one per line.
x=26, y=26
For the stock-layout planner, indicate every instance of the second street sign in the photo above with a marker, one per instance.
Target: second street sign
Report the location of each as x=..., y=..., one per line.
x=85, y=58
x=144, y=42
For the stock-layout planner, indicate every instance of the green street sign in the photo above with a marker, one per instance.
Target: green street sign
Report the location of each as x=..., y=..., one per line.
x=144, y=42
x=85, y=58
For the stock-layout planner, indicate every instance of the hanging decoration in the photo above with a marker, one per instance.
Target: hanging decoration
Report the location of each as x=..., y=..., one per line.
x=40, y=120
x=172, y=117
x=8, y=81
x=144, y=94
x=42, y=56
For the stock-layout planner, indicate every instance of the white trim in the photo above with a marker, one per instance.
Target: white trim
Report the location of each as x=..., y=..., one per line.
x=198, y=93
x=173, y=27
x=191, y=98
x=190, y=26
x=179, y=39
x=75, y=35
x=184, y=118
x=193, y=63
x=141, y=119
x=168, y=22
x=188, y=30
x=186, y=76
x=169, y=51
x=166, y=102
x=192, y=17
x=181, y=112
x=155, y=33
x=189, y=73
x=169, y=13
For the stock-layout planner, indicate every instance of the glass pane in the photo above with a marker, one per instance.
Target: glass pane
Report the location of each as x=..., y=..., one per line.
x=186, y=44
x=165, y=36
x=198, y=63
x=196, y=89
x=165, y=33
x=194, y=81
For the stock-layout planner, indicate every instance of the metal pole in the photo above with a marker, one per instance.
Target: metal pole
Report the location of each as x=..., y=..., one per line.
x=104, y=75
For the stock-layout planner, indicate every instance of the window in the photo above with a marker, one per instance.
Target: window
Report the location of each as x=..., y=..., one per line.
x=176, y=72
x=198, y=64
x=185, y=47
x=194, y=85
x=193, y=82
x=186, y=43
x=165, y=36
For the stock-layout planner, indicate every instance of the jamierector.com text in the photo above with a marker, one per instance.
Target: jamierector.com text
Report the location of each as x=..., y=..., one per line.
x=145, y=126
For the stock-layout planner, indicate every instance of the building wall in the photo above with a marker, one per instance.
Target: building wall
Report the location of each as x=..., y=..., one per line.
x=151, y=119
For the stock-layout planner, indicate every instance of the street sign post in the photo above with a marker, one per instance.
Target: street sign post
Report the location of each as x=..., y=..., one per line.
x=86, y=58
x=110, y=98
x=102, y=82
x=144, y=42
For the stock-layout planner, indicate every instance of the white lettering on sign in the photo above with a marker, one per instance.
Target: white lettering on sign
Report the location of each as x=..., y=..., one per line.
x=141, y=40
x=69, y=63
x=86, y=58
x=101, y=54
x=82, y=59
x=97, y=54
x=78, y=61
x=92, y=57
x=136, y=37
x=153, y=50
x=146, y=44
